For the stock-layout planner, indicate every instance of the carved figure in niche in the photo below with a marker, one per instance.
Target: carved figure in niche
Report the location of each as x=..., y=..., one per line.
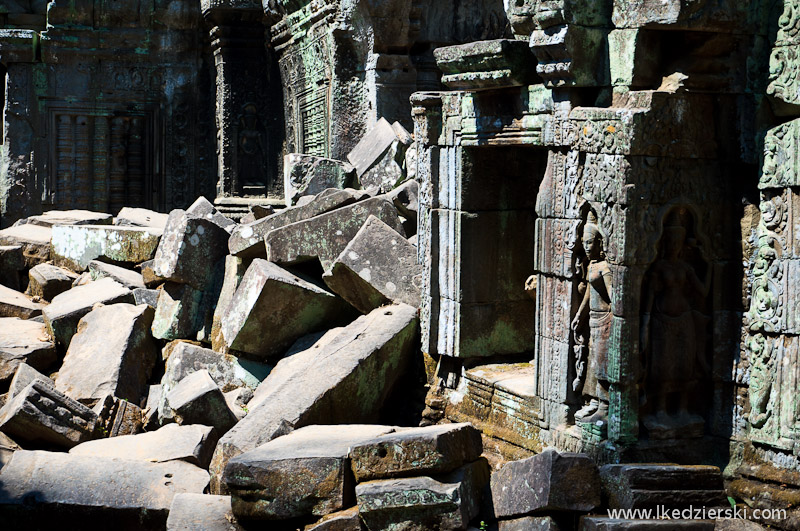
x=252, y=154
x=673, y=332
x=593, y=313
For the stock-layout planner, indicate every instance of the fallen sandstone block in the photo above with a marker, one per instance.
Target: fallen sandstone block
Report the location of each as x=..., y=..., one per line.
x=190, y=512
x=34, y=240
x=52, y=218
x=310, y=175
x=528, y=523
x=645, y=485
x=345, y=378
x=235, y=268
x=50, y=490
x=128, y=278
x=62, y=315
x=41, y=414
x=75, y=246
x=379, y=158
x=118, y=417
x=23, y=377
x=46, y=281
x=346, y=520
x=272, y=303
x=111, y=353
x=16, y=304
x=146, y=296
x=178, y=312
x=7, y=449
x=141, y=217
x=23, y=342
x=378, y=266
x=12, y=266
x=198, y=400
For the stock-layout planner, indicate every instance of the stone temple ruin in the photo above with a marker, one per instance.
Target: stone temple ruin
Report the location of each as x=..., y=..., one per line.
x=394, y=264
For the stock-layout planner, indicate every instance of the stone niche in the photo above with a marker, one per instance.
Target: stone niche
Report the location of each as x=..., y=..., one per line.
x=105, y=107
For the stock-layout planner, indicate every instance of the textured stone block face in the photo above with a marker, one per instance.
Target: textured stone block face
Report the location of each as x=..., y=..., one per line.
x=667, y=485
x=272, y=303
x=487, y=64
x=304, y=472
x=546, y=482
x=141, y=217
x=76, y=245
x=178, y=312
x=247, y=240
x=112, y=353
x=201, y=511
x=378, y=266
x=12, y=265
x=310, y=175
x=24, y=376
x=57, y=489
x=324, y=237
x=126, y=277
x=346, y=520
x=528, y=523
x=193, y=443
x=16, y=304
x=41, y=414
x=379, y=156
x=235, y=268
x=70, y=217
x=46, y=281
x=346, y=376
x=198, y=400
x=420, y=503
x=23, y=342
x=191, y=245
x=66, y=310
x=416, y=452
x=34, y=240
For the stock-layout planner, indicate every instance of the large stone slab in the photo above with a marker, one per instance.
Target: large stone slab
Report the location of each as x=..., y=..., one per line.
x=324, y=237
x=25, y=376
x=423, y=503
x=345, y=378
x=550, y=481
x=34, y=240
x=23, y=342
x=235, y=268
x=310, y=175
x=74, y=246
x=378, y=266
x=346, y=520
x=112, y=353
x=272, y=303
x=190, y=512
x=48, y=490
x=247, y=241
x=380, y=155
x=7, y=449
x=65, y=311
x=128, y=278
x=40, y=414
x=70, y=217
x=646, y=486
x=46, y=281
x=529, y=523
x=416, y=452
x=178, y=312
x=191, y=245
x=193, y=443
x=198, y=400
x=16, y=304
x=302, y=473
x=141, y=217
x=12, y=266
x=487, y=65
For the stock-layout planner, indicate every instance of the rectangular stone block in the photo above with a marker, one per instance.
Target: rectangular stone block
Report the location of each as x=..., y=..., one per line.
x=324, y=237
x=555, y=300
x=41, y=414
x=141, y=217
x=111, y=353
x=178, y=312
x=416, y=452
x=304, y=472
x=637, y=486
x=347, y=519
x=235, y=268
x=305, y=175
x=443, y=502
x=62, y=315
x=128, y=278
x=201, y=511
x=198, y=400
x=146, y=296
x=379, y=266
x=23, y=377
x=52, y=490
x=490, y=64
x=345, y=377
x=271, y=302
x=373, y=145
x=12, y=264
x=52, y=218
x=528, y=523
x=549, y=481
x=16, y=304
x=34, y=240
x=74, y=246
x=46, y=281
x=23, y=342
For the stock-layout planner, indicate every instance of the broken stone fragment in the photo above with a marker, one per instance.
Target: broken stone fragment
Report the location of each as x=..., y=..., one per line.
x=549, y=481
x=65, y=311
x=41, y=414
x=405, y=198
x=7, y=449
x=345, y=378
x=190, y=512
x=272, y=303
x=34, y=240
x=141, y=217
x=12, y=265
x=416, y=452
x=150, y=413
x=23, y=342
x=247, y=241
x=377, y=267
x=203, y=208
x=149, y=276
x=51, y=490
x=346, y=520
x=111, y=353
x=637, y=486
x=178, y=312
x=528, y=523
x=24, y=376
x=126, y=277
x=235, y=268
x=488, y=64
x=198, y=400
x=193, y=443
x=324, y=237
x=310, y=175
x=77, y=245
x=118, y=417
x=445, y=502
x=237, y=400
x=46, y=281
x=302, y=473
x=69, y=217
x=146, y=296
x=16, y=304
x=379, y=158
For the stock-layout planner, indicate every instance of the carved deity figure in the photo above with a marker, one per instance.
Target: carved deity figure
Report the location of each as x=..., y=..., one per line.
x=596, y=309
x=673, y=333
